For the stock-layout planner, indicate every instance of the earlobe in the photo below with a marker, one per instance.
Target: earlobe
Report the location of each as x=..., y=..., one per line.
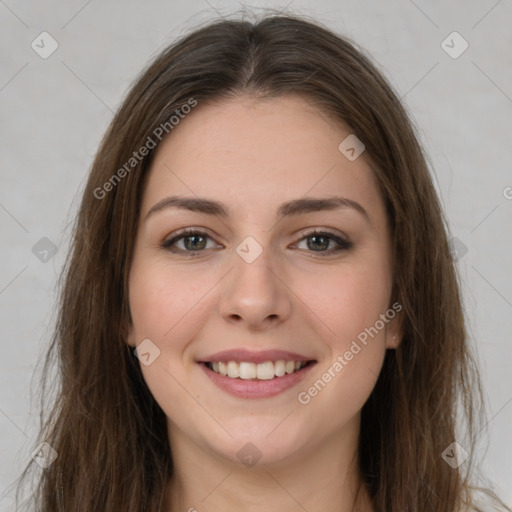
x=130, y=338
x=396, y=339
x=394, y=333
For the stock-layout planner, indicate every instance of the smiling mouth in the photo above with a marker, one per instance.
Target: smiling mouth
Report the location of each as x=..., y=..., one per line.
x=267, y=370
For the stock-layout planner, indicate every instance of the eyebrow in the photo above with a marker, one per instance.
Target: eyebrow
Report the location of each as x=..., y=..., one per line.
x=290, y=208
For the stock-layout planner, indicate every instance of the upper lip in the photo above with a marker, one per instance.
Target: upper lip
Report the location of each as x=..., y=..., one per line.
x=241, y=354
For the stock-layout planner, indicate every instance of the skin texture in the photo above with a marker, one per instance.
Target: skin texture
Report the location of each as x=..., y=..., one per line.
x=252, y=156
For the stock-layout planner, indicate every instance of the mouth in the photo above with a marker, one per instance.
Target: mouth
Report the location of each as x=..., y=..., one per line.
x=246, y=370
x=249, y=380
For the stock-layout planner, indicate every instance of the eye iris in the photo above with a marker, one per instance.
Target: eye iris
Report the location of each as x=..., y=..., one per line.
x=316, y=237
x=194, y=246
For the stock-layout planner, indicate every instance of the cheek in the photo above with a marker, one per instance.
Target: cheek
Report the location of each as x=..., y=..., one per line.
x=349, y=303
x=346, y=300
x=160, y=302
x=355, y=347
x=161, y=306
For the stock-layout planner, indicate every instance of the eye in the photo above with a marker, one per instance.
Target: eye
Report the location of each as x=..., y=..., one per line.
x=322, y=239
x=195, y=241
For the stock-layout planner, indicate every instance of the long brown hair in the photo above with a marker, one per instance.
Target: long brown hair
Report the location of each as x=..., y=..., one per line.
x=109, y=433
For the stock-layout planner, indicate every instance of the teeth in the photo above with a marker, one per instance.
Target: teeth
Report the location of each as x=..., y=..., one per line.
x=265, y=371
x=246, y=370
x=279, y=368
x=223, y=369
x=233, y=371
x=261, y=371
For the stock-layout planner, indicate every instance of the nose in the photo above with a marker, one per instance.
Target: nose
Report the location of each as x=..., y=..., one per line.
x=256, y=293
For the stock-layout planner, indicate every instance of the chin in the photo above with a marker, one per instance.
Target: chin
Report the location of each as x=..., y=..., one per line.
x=258, y=443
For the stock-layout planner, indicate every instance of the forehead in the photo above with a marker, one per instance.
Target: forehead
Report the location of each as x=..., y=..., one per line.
x=253, y=154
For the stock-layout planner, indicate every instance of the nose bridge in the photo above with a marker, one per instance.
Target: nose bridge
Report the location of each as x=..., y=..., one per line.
x=255, y=291
x=254, y=274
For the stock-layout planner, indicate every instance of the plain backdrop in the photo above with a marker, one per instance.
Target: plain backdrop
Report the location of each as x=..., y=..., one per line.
x=54, y=111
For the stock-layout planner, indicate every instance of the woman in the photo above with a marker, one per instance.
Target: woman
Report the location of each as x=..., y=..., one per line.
x=260, y=308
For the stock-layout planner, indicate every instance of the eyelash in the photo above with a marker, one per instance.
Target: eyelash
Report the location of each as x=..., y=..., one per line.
x=167, y=244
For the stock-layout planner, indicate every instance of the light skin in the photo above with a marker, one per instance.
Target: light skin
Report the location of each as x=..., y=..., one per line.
x=298, y=295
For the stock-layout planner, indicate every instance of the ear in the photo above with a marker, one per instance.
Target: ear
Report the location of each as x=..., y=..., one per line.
x=394, y=332
x=129, y=337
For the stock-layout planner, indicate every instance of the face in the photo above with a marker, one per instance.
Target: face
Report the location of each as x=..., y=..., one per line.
x=254, y=278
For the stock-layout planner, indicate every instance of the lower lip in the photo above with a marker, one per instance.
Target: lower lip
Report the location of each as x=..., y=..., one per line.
x=257, y=388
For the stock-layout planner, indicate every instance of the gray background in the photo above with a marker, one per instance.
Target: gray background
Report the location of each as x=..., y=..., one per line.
x=55, y=110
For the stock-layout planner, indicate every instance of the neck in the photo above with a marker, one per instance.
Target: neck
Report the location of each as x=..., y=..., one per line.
x=322, y=477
